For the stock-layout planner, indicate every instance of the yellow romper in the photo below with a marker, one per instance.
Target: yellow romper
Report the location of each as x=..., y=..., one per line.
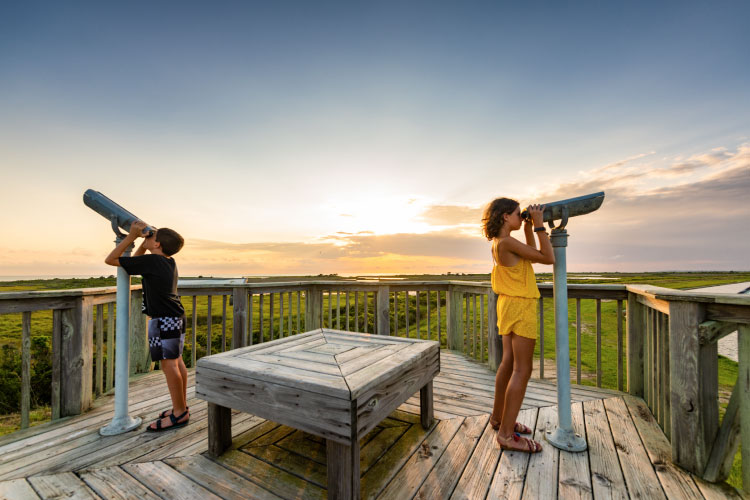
x=517, y=298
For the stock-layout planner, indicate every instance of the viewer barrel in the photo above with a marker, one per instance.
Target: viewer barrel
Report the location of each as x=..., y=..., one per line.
x=110, y=210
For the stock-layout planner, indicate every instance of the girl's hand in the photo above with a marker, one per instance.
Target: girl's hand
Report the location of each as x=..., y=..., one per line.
x=537, y=214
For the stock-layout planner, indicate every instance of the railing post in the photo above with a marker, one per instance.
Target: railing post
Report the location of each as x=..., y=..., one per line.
x=494, y=341
x=77, y=325
x=239, y=314
x=694, y=387
x=453, y=319
x=743, y=381
x=140, y=357
x=636, y=333
x=383, y=311
x=313, y=306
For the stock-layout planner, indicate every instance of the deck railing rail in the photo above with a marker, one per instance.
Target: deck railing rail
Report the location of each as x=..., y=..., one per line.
x=668, y=355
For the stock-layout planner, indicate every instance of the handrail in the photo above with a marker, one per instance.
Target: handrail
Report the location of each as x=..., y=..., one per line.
x=673, y=366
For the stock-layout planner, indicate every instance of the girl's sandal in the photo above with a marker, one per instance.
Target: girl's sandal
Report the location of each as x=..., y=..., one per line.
x=519, y=427
x=517, y=443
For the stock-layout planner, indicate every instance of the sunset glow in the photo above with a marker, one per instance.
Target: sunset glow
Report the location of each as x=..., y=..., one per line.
x=310, y=138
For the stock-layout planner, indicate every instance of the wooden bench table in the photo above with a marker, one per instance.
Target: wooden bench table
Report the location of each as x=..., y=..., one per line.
x=334, y=384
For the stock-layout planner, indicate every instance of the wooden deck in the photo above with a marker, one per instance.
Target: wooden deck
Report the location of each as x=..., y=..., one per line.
x=628, y=455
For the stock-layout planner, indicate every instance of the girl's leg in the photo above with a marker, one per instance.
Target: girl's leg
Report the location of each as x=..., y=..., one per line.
x=502, y=377
x=523, y=354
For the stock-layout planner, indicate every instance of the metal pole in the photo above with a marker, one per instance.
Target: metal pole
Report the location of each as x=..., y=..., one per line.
x=564, y=437
x=122, y=422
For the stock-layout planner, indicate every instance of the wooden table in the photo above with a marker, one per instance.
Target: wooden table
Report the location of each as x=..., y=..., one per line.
x=334, y=384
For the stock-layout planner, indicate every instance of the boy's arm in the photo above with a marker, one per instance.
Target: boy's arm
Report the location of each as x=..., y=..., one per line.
x=136, y=229
x=141, y=249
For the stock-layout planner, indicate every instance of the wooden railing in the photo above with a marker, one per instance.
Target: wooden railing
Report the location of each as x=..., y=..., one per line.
x=668, y=357
x=673, y=365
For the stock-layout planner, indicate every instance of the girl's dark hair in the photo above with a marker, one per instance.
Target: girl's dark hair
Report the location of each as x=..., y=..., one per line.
x=171, y=241
x=492, y=219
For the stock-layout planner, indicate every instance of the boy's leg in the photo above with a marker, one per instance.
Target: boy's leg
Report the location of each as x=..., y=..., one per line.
x=175, y=385
x=173, y=374
x=184, y=375
x=523, y=354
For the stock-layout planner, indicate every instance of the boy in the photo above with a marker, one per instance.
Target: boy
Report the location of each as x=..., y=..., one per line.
x=166, y=327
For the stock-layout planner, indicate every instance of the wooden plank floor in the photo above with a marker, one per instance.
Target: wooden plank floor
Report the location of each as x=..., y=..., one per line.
x=627, y=457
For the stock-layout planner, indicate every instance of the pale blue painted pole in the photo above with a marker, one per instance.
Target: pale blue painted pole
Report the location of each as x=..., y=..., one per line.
x=564, y=437
x=122, y=422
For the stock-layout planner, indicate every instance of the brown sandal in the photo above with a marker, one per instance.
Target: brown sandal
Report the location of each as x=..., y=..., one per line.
x=517, y=443
x=518, y=427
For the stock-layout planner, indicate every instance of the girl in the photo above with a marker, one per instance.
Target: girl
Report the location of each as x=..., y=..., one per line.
x=514, y=282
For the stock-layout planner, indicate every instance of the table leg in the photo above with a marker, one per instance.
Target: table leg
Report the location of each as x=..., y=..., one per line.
x=426, y=407
x=219, y=429
x=343, y=470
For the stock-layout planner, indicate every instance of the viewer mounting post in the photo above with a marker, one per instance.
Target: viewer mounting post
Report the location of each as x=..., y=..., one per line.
x=119, y=218
x=564, y=437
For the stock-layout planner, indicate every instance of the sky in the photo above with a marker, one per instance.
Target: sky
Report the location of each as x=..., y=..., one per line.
x=366, y=137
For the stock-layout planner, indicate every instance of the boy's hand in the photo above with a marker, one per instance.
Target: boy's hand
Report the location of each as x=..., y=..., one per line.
x=136, y=228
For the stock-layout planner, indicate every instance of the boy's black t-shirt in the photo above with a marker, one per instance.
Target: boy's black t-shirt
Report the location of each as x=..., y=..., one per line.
x=159, y=284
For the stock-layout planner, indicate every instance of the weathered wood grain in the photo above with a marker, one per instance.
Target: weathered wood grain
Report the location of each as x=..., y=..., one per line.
x=541, y=475
x=219, y=429
x=477, y=475
x=343, y=470
x=269, y=477
x=606, y=476
x=639, y=474
x=116, y=484
x=17, y=489
x=419, y=465
x=443, y=478
x=508, y=480
x=76, y=357
x=316, y=412
x=167, y=482
x=675, y=482
x=574, y=475
x=321, y=383
x=363, y=380
x=743, y=381
x=219, y=480
x=427, y=408
x=64, y=485
x=636, y=322
x=25, y=369
x=694, y=387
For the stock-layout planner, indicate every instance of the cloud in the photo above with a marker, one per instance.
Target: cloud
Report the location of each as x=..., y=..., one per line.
x=682, y=214
x=691, y=225
x=451, y=215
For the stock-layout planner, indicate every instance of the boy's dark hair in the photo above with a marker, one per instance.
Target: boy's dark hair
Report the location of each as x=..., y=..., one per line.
x=492, y=219
x=171, y=241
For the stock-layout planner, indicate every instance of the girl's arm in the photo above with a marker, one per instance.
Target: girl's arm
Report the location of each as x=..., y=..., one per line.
x=528, y=230
x=544, y=255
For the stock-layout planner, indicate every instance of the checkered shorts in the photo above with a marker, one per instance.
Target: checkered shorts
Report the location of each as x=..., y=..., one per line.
x=166, y=337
